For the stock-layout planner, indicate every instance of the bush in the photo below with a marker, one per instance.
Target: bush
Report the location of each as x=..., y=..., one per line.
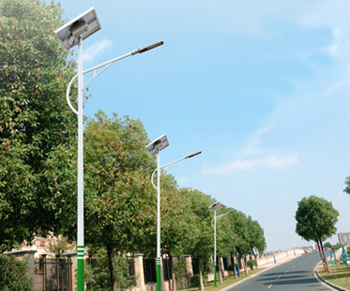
x=231, y=267
x=195, y=281
x=13, y=275
x=251, y=264
x=181, y=272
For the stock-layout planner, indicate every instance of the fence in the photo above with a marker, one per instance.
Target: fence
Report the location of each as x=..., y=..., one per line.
x=53, y=274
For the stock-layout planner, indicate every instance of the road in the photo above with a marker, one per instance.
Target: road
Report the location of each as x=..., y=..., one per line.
x=297, y=274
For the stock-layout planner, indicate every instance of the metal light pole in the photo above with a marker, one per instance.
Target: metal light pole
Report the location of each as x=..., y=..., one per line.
x=213, y=207
x=72, y=34
x=154, y=148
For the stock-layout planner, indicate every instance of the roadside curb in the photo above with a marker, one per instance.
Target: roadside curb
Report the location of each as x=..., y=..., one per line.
x=326, y=282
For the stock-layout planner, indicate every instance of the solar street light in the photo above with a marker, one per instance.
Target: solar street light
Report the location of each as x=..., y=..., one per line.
x=71, y=34
x=154, y=148
x=83, y=26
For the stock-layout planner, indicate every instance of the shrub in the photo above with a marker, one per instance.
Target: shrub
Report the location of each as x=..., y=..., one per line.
x=195, y=281
x=251, y=264
x=181, y=272
x=13, y=275
x=231, y=267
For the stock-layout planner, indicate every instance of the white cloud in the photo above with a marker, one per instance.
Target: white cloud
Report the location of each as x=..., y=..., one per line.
x=90, y=53
x=271, y=161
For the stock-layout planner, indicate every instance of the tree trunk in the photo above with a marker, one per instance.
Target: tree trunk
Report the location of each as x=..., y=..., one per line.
x=324, y=255
x=243, y=260
x=335, y=258
x=110, y=252
x=172, y=271
x=256, y=261
x=234, y=266
x=220, y=270
x=200, y=275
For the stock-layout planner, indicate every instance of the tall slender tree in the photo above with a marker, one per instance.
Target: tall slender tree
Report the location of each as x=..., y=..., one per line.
x=316, y=219
x=198, y=220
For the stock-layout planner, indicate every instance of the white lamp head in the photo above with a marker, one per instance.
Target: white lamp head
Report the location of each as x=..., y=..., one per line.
x=214, y=206
x=82, y=26
x=157, y=145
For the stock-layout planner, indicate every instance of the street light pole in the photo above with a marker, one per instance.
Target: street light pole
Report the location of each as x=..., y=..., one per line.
x=71, y=34
x=80, y=246
x=158, y=208
x=213, y=207
x=215, y=249
x=154, y=148
x=158, y=224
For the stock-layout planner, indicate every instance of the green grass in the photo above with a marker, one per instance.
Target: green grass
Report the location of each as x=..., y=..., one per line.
x=227, y=281
x=340, y=276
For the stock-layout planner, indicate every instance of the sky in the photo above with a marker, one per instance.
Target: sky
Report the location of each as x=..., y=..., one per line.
x=260, y=87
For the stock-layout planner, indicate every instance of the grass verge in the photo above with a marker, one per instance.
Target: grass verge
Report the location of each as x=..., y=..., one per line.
x=227, y=281
x=340, y=276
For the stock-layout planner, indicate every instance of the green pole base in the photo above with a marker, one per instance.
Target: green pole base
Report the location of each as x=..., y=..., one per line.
x=215, y=275
x=158, y=275
x=80, y=274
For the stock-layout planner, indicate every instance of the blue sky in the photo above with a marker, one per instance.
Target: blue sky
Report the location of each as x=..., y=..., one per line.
x=260, y=87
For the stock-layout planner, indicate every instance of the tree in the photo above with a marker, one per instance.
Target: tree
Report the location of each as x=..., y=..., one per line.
x=328, y=245
x=37, y=127
x=174, y=235
x=241, y=235
x=347, y=182
x=97, y=272
x=255, y=237
x=13, y=274
x=316, y=219
x=120, y=202
x=224, y=237
x=198, y=223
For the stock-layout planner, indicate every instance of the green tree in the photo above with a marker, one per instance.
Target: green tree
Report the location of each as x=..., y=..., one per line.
x=198, y=223
x=255, y=237
x=316, y=219
x=224, y=238
x=13, y=274
x=37, y=127
x=174, y=235
x=97, y=272
x=120, y=202
x=347, y=183
x=182, y=274
x=328, y=245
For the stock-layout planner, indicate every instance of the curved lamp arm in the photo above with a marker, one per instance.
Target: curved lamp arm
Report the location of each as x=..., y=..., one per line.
x=172, y=163
x=221, y=215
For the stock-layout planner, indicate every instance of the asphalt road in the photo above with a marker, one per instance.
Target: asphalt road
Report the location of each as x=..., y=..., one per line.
x=297, y=274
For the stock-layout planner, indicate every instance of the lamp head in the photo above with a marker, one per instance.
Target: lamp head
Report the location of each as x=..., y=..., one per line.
x=82, y=26
x=214, y=206
x=157, y=145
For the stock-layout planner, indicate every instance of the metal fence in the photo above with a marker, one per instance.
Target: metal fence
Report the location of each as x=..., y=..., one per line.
x=53, y=274
x=149, y=271
x=167, y=269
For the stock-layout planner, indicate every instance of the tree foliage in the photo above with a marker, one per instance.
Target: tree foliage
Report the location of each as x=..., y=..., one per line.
x=316, y=219
x=13, y=274
x=97, y=277
x=347, y=183
x=36, y=125
x=120, y=202
x=198, y=220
